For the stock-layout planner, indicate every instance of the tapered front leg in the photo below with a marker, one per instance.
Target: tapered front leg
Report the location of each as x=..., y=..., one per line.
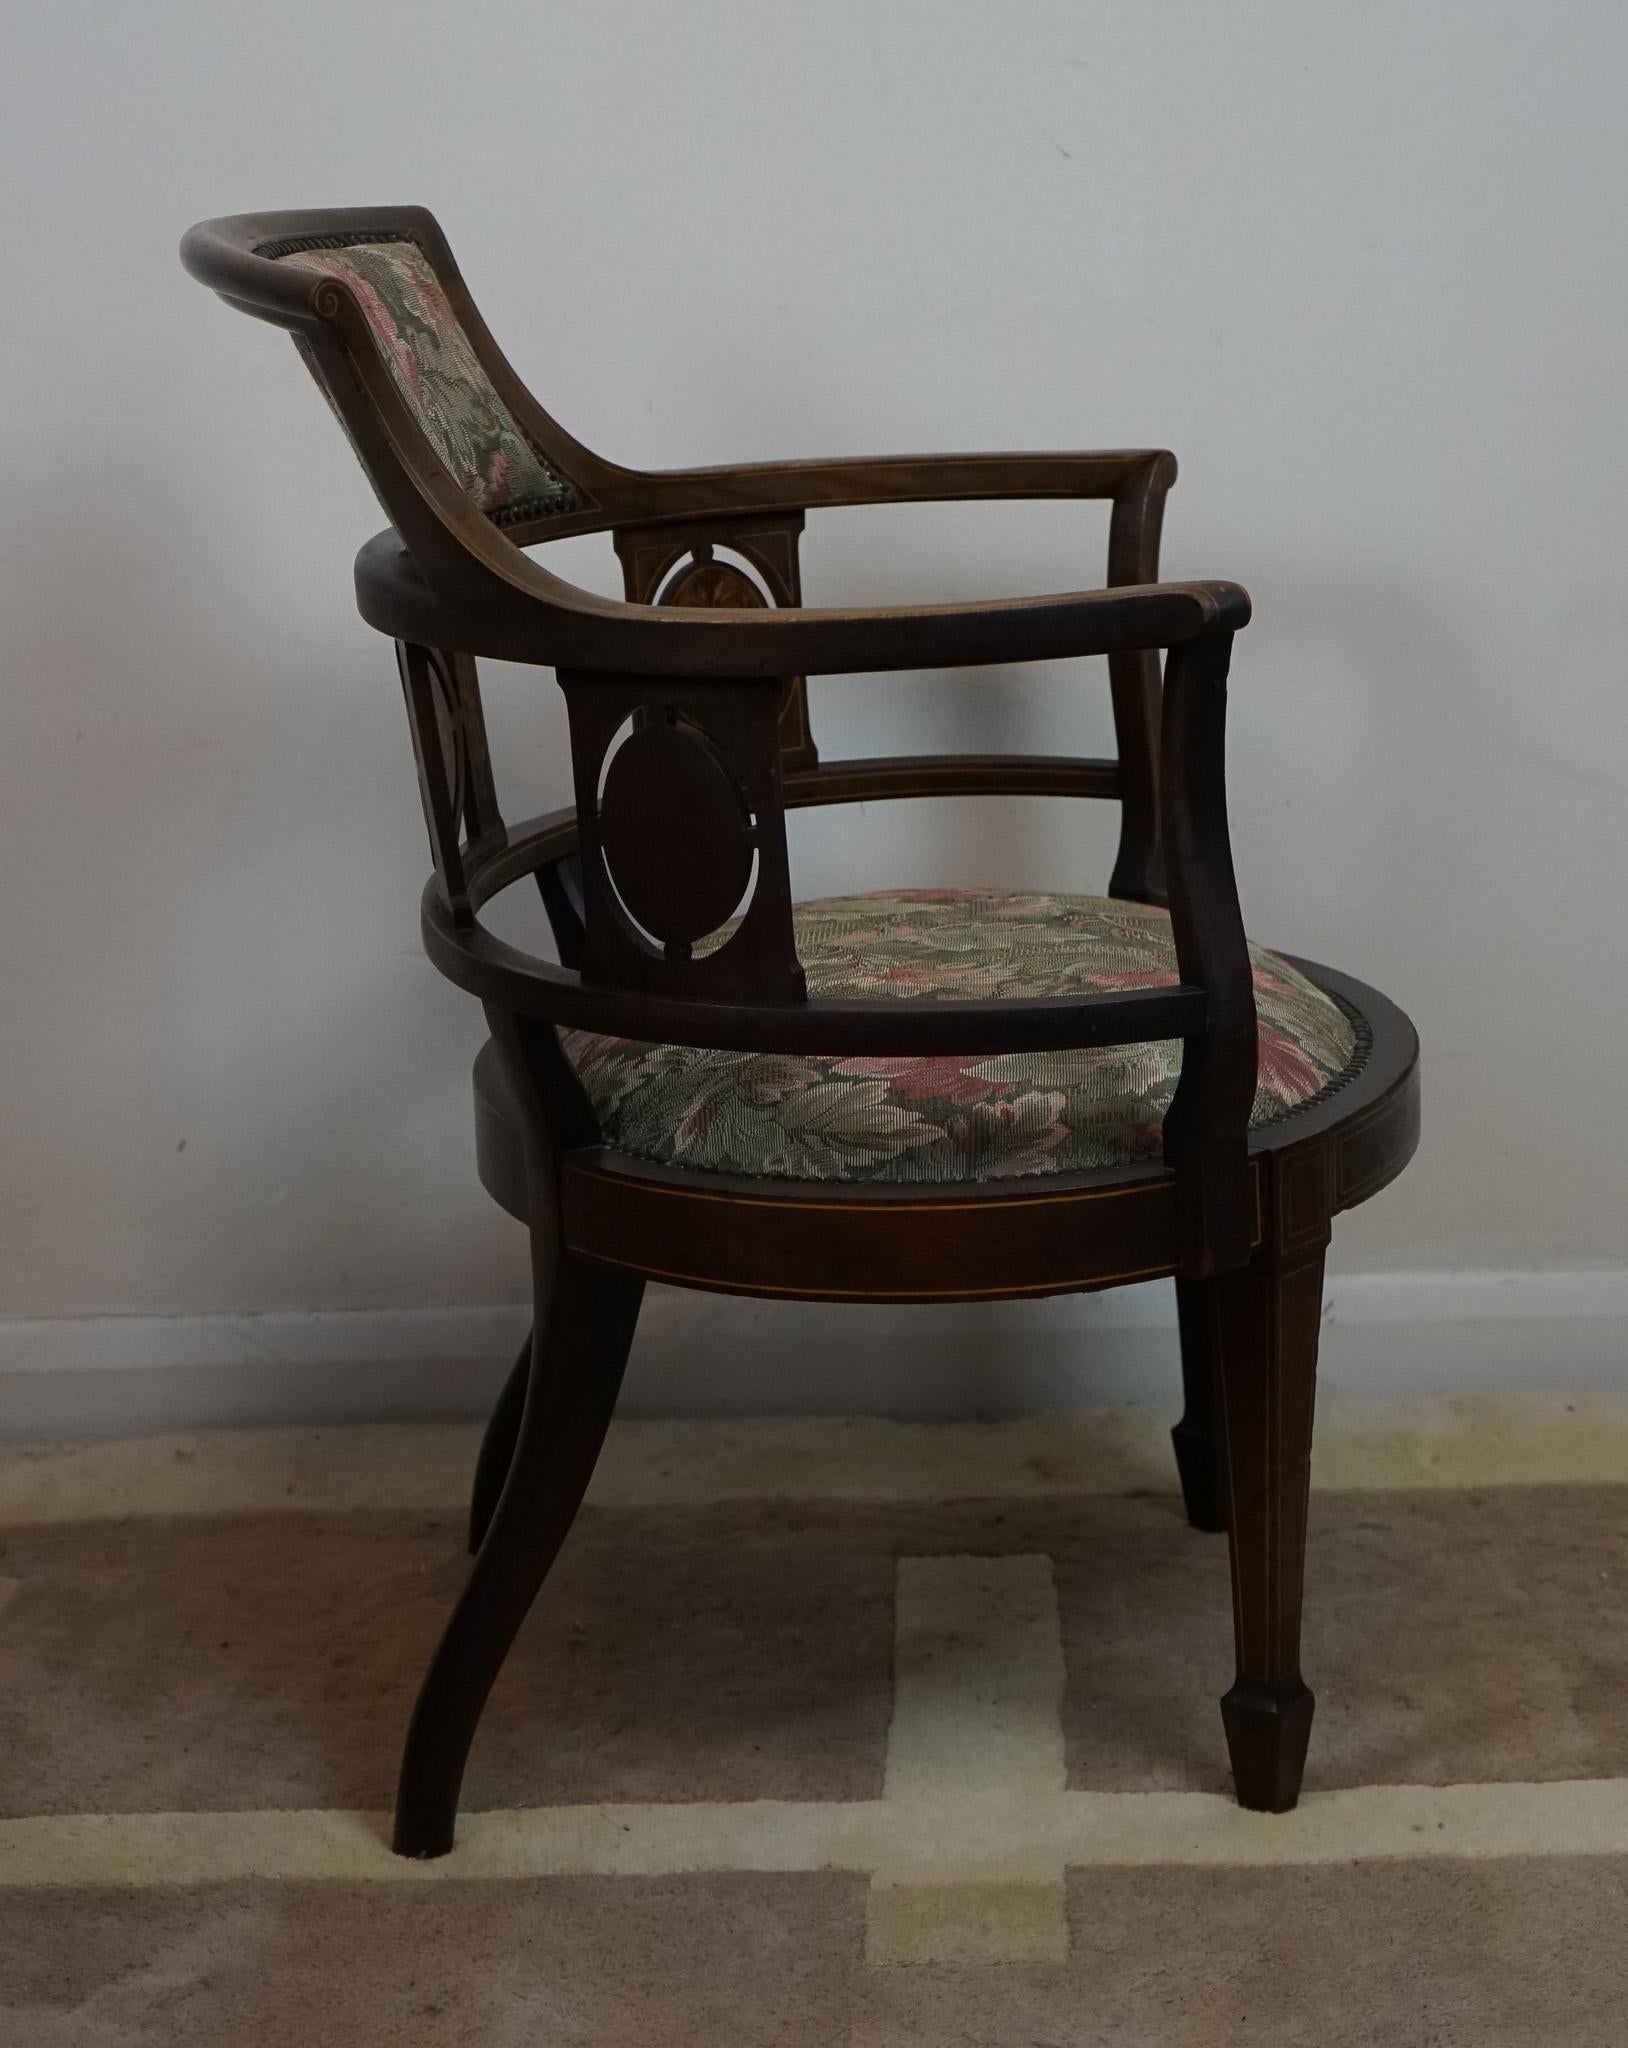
x=1200, y=1460
x=1268, y=1315
x=585, y=1322
x=497, y=1448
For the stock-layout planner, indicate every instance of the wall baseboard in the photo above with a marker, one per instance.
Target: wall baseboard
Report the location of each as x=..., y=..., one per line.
x=1385, y=1335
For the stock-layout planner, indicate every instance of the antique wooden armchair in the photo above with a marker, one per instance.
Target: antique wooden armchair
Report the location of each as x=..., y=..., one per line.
x=932, y=1096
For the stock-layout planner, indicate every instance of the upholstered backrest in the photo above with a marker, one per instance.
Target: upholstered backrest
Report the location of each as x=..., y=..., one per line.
x=439, y=375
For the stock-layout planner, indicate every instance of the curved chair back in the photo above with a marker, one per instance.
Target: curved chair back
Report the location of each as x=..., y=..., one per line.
x=688, y=711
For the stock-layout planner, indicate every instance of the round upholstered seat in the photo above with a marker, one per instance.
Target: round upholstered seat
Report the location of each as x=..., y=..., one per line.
x=942, y=1119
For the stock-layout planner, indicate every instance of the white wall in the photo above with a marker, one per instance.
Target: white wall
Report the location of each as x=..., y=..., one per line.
x=1362, y=268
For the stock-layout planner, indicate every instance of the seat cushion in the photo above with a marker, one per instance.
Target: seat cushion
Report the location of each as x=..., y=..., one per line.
x=951, y=1119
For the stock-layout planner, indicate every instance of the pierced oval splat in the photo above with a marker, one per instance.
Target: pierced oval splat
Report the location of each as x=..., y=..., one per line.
x=675, y=833
x=712, y=585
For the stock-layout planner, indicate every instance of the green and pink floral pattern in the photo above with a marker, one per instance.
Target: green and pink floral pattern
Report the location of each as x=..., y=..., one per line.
x=951, y=1119
x=439, y=374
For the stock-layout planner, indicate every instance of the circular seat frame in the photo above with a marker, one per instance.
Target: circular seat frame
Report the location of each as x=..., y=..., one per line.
x=970, y=1241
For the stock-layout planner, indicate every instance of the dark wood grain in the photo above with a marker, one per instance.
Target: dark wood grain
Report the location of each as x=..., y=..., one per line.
x=674, y=562
x=686, y=882
x=1200, y=1453
x=1206, y=1126
x=691, y=738
x=501, y=1434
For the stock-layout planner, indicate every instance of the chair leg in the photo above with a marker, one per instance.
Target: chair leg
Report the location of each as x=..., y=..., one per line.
x=579, y=1351
x=1200, y=1461
x=1268, y=1316
x=497, y=1448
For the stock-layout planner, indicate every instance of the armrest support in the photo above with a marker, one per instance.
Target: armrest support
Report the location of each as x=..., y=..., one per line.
x=1206, y=1129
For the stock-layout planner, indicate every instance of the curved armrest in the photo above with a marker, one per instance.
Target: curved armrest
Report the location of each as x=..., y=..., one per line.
x=826, y=642
x=487, y=966
x=891, y=479
x=519, y=611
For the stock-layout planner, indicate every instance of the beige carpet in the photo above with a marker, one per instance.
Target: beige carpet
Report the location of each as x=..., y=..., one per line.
x=822, y=1734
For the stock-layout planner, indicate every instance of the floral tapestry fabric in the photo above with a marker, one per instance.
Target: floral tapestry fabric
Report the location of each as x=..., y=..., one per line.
x=962, y=1118
x=440, y=376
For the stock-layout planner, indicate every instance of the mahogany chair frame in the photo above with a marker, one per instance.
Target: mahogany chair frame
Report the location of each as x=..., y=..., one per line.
x=706, y=669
